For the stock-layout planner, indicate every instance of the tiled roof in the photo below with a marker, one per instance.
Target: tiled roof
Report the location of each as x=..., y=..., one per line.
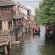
x=6, y=3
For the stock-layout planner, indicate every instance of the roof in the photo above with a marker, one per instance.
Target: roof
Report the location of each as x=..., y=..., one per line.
x=18, y=16
x=22, y=6
x=6, y=3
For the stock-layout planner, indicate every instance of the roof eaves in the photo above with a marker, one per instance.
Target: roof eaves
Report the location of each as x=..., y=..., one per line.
x=6, y=3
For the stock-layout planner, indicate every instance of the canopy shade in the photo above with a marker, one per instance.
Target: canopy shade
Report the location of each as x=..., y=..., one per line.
x=18, y=16
x=35, y=27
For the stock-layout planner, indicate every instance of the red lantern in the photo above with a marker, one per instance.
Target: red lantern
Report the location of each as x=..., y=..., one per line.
x=14, y=8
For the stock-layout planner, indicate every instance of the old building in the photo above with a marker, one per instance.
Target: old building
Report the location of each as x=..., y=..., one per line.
x=32, y=14
x=6, y=12
x=20, y=15
x=26, y=12
x=17, y=17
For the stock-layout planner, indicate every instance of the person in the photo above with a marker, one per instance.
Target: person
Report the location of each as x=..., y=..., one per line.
x=20, y=26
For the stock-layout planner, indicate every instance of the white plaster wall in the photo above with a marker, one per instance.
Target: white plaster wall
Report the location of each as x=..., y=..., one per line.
x=32, y=9
x=23, y=10
x=17, y=9
x=5, y=26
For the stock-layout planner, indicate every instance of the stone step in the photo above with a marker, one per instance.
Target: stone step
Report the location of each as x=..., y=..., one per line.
x=16, y=42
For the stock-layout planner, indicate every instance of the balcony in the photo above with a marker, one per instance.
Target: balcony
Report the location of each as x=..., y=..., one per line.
x=18, y=16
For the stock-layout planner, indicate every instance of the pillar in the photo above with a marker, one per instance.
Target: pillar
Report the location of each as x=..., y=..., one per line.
x=6, y=51
x=12, y=25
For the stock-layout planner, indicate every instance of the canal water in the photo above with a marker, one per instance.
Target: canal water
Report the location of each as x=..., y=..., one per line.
x=33, y=45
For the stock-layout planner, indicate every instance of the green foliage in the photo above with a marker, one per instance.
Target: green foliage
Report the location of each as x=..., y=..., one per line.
x=46, y=12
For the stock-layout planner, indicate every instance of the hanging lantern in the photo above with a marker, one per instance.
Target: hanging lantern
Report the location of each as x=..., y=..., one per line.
x=14, y=8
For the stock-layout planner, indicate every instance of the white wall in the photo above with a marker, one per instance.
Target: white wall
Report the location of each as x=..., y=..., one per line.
x=32, y=9
x=5, y=26
x=32, y=13
x=23, y=10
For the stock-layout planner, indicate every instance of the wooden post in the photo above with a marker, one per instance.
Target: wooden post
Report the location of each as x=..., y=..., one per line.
x=12, y=25
x=6, y=51
x=16, y=34
x=9, y=41
x=10, y=45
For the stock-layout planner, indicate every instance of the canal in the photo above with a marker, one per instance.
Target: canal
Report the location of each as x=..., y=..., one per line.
x=33, y=45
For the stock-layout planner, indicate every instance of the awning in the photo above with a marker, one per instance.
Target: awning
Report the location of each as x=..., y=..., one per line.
x=35, y=27
x=18, y=16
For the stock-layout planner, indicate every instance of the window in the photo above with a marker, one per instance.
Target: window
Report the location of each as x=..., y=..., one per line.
x=28, y=12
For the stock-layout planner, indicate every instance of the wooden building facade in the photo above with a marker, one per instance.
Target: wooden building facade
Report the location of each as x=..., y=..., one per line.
x=6, y=12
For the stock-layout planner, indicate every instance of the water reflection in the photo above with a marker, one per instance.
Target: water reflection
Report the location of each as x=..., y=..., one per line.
x=33, y=45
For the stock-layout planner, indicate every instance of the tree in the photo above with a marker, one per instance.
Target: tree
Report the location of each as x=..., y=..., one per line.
x=46, y=12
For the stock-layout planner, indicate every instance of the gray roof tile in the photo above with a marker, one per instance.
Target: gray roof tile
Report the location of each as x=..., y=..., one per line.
x=6, y=3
